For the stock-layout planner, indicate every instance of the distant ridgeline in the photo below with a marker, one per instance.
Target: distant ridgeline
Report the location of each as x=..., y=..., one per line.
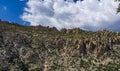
x=38, y=48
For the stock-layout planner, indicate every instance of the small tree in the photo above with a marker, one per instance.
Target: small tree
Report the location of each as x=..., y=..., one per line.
x=118, y=9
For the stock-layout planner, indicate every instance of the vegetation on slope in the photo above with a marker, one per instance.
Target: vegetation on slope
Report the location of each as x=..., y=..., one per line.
x=30, y=48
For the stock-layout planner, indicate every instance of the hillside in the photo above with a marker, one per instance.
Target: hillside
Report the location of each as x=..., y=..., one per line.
x=30, y=48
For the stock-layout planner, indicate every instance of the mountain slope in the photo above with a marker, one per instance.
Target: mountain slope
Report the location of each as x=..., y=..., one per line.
x=29, y=48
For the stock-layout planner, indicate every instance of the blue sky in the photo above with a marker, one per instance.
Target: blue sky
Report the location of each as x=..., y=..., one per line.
x=85, y=14
x=11, y=10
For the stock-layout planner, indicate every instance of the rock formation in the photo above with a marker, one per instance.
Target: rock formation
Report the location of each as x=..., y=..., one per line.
x=39, y=48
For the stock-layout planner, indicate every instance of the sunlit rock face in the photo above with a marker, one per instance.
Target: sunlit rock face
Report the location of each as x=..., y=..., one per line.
x=38, y=48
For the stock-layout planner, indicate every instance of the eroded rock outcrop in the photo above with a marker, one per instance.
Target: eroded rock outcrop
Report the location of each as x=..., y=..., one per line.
x=47, y=49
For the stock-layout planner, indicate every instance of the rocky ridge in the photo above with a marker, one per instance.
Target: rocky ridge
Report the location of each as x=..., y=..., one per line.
x=30, y=48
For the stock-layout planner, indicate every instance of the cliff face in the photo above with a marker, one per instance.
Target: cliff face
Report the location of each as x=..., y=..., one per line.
x=41, y=48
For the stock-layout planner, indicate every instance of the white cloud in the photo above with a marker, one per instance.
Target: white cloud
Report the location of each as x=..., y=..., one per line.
x=88, y=14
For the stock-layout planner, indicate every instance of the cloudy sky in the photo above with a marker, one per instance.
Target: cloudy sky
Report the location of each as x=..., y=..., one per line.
x=86, y=14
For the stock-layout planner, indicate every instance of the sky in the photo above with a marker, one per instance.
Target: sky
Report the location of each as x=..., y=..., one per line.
x=90, y=15
x=10, y=10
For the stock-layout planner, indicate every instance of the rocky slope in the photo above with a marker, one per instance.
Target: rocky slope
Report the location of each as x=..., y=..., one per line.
x=24, y=48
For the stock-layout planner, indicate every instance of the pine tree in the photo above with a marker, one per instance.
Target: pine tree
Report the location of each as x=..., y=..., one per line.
x=118, y=9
